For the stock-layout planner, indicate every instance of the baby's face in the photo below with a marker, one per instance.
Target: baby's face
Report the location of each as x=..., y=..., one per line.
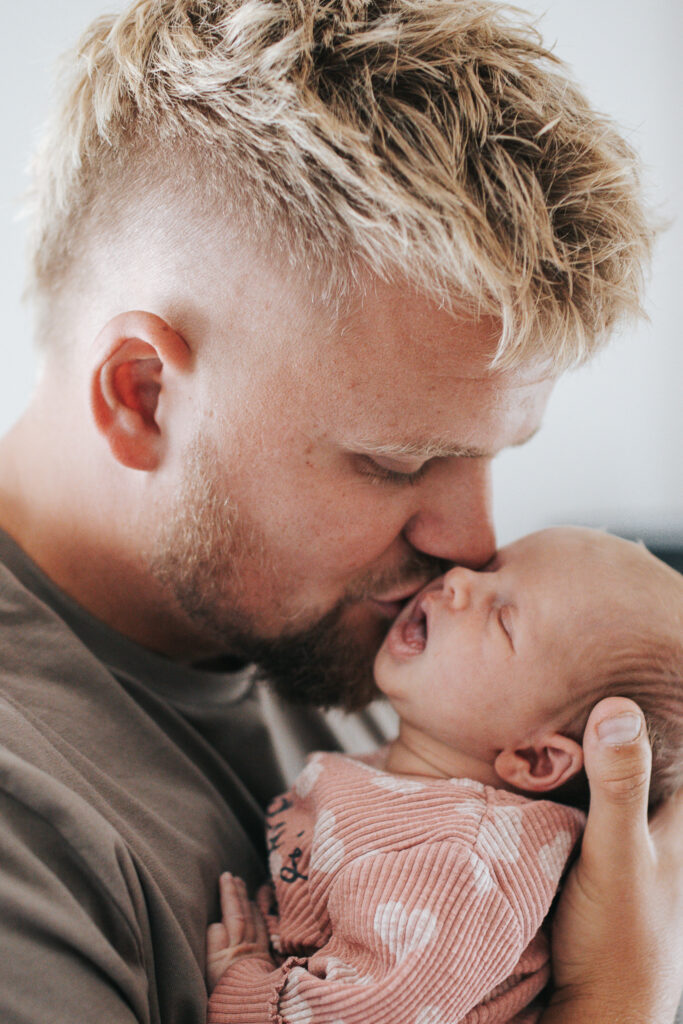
x=479, y=660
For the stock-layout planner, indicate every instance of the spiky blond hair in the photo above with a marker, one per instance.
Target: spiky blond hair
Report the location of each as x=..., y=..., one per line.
x=435, y=142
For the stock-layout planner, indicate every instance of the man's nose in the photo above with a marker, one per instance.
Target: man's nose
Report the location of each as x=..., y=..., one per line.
x=454, y=518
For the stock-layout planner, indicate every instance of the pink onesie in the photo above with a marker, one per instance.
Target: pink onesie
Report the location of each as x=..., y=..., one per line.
x=402, y=901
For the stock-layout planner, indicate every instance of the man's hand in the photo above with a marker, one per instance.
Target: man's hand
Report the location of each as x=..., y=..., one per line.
x=241, y=933
x=618, y=931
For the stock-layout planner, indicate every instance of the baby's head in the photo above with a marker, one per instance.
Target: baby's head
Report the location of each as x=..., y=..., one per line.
x=496, y=671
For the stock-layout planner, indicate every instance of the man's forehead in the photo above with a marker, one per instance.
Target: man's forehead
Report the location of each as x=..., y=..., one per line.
x=394, y=325
x=400, y=326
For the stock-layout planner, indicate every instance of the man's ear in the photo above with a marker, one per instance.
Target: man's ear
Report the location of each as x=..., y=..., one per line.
x=543, y=766
x=135, y=354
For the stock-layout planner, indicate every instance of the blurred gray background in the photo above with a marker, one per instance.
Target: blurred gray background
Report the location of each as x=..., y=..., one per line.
x=610, y=452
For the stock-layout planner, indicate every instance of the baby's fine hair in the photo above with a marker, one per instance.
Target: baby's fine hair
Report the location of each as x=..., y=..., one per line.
x=645, y=664
x=435, y=142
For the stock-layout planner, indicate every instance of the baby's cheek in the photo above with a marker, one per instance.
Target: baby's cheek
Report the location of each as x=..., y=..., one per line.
x=384, y=676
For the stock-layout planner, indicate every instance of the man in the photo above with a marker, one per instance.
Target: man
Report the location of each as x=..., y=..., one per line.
x=300, y=270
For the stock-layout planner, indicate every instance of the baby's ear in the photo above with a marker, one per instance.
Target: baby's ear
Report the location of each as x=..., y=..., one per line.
x=544, y=766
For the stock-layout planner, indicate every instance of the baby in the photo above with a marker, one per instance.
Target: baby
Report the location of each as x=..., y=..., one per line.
x=412, y=886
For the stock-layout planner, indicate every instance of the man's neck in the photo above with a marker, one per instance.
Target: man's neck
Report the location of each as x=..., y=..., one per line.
x=26, y=473
x=72, y=531
x=414, y=752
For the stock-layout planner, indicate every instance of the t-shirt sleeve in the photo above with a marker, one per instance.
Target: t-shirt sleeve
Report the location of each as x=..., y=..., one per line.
x=70, y=951
x=412, y=930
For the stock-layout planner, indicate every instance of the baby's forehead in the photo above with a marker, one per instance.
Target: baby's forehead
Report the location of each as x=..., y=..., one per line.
x=575, y=548
x=602, y=588
x=561, y=581
x=544, y=552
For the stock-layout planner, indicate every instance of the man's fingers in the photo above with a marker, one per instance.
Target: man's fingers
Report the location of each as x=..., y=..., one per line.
x=617, y=760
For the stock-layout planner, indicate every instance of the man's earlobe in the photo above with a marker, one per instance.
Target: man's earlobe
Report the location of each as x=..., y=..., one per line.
x=134, y=355
x=542, y=766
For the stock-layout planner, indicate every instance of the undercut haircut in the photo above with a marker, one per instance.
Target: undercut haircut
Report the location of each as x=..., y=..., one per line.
x=436, y=143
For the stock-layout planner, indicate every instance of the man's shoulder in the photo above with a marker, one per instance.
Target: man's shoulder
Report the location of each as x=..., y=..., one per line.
x=53, y=689
x=80, y=912
x=90, y=744
x=111, y=834
x=40, y=810
x=117, y=814
x=34, y=638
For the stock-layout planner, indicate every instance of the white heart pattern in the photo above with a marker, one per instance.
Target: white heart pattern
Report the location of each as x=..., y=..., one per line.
x=327, y=852
x=403, y=931
x=552, y=857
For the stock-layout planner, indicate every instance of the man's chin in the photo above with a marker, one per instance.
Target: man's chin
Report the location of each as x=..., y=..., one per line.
x=328, y=665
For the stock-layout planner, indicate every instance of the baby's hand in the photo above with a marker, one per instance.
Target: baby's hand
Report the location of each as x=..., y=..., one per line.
x=241, y=933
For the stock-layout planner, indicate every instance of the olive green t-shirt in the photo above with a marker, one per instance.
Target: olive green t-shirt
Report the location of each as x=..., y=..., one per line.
x=128, y=782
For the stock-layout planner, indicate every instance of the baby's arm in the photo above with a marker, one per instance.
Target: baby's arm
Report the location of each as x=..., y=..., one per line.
x=241, y=933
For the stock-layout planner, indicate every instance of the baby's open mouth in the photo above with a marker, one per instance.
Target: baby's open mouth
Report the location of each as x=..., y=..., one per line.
x=413, y=629
x=410, y=631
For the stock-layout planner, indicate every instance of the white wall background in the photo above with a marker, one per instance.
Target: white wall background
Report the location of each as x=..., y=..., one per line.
x=611, y=452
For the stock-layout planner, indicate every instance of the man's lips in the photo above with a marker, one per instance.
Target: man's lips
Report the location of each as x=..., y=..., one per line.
x=392, y=604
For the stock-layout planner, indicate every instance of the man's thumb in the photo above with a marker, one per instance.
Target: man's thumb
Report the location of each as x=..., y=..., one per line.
x=617, y=760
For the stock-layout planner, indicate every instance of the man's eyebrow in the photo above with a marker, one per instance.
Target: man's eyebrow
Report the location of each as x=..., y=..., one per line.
x=421, y=449
x=436, y=449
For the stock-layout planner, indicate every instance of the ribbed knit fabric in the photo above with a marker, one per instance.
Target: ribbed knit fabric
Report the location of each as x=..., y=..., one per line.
x=402, y=901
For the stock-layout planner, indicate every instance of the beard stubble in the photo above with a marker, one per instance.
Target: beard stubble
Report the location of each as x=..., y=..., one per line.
x=198, y=558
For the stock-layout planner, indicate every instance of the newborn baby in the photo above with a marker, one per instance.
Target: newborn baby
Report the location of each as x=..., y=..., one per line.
x=412, y=886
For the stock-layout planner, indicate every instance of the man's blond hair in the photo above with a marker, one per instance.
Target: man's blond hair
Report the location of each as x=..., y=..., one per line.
x=435, y=142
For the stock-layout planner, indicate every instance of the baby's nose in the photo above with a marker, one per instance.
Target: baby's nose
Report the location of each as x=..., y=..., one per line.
x=457, y=587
